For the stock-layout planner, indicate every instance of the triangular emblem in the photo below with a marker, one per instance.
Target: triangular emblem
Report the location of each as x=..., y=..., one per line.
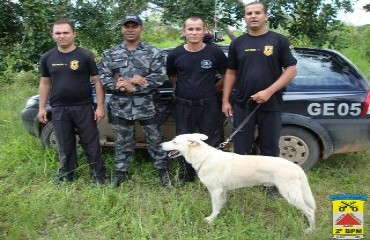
x=348, y=219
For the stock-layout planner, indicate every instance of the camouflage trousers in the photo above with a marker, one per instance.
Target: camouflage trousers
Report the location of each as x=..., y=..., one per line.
x=125, y=146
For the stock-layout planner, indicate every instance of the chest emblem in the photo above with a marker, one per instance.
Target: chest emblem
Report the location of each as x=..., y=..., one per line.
x=206, y=64
x=268, y=50
x=74, y=64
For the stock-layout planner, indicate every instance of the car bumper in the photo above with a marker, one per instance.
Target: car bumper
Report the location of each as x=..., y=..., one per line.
x=29, y=120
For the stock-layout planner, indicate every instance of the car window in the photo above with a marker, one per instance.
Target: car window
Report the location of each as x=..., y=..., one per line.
x=317, y=70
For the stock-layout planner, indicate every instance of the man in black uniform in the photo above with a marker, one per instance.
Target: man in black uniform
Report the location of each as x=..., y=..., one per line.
x=256, y=61
x=193, y=69
x=66, y=72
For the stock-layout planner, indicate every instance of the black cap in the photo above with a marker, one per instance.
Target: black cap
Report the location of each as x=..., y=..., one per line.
x=131, y=18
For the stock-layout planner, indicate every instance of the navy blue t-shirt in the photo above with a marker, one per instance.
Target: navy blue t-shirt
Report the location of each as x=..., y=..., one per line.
x=70, y=74
x=259, y=62
x=196, y=71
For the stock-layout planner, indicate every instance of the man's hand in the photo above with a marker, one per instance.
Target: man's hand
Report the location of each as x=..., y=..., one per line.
x=227, y=109
x=139, y=80
x=262, y=96
x=122, y=83
x=42, y=116
x=99, y=113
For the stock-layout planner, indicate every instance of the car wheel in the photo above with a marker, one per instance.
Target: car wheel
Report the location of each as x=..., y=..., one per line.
x=299, y=146
x=48, y=137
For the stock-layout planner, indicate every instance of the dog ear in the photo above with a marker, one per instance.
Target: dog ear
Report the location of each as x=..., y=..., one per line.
x=196, y=139
x=201, y=136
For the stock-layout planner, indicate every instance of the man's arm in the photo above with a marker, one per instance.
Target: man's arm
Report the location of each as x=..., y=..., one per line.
x=44, y=91
x=100, y=96
x=107, y=77
x=156, y=77
x=285, y=78
x=220, y=83
x=173, y=79
x=228, y=85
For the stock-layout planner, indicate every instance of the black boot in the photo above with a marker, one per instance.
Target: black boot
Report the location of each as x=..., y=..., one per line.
x=119, y=178
x=182, y=174
x=273, y=192
x=99, y=180
x=164, y=175
x=186, y=172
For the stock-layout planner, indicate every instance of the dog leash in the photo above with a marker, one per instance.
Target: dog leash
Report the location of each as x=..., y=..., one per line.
x=241, y=125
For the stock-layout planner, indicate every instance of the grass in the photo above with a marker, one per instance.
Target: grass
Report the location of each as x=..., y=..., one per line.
x=32, y=207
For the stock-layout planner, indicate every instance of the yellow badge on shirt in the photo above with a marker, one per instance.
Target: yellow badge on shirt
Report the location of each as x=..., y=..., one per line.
x=74, y=64
x=268, y=50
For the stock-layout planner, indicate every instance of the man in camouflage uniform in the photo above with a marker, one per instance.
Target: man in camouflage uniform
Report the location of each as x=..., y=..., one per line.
x=131, y=71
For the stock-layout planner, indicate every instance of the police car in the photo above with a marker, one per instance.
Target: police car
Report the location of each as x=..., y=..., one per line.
x=326, y=111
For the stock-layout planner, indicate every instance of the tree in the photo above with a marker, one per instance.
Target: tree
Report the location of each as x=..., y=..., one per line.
x=97, y=21
x=10, y=23
x=367, y=7
x=216, y=13
x=25, y=24
x=313, y=20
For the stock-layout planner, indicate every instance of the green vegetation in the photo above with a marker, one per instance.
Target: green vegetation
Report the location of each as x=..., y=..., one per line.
x=25, y=25
x=32, y=207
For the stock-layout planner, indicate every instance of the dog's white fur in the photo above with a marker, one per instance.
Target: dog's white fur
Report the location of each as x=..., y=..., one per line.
x=221, y=171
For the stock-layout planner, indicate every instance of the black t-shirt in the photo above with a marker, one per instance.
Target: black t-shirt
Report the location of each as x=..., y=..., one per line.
x=196, y=71
x=259, y=62
x=70, y=74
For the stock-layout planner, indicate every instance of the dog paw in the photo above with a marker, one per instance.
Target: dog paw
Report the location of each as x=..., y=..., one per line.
x=308, y=230
x=209, y=219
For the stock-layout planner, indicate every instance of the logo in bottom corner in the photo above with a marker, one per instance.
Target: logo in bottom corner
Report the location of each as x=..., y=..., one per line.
x=348, y=216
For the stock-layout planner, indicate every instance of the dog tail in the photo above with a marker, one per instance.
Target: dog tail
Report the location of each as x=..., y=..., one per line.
x=307, y=193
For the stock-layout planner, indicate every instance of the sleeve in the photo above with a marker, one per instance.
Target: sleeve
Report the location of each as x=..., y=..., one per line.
x=170, y=65
x=105, y=72
x=43, y=69
x=232, y=62
x=286, y=53
x=222, y=61
x=92, y=65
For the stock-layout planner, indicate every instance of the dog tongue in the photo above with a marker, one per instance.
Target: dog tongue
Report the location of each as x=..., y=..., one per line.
x=173, y=153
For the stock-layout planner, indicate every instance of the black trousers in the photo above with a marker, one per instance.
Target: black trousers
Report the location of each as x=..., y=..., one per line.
x=201, y=118
x=269, y=126
x=67, y=120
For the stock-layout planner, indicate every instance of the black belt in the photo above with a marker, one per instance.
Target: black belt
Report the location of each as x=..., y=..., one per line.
x=129, y=94
x=199, y=102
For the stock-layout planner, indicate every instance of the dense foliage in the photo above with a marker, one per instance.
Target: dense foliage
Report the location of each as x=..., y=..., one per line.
x=25, y=24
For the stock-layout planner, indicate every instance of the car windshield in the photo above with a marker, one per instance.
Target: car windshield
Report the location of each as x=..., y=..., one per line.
x=321, y=72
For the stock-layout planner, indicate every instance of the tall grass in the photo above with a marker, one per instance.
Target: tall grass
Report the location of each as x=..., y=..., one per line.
x=32, y=207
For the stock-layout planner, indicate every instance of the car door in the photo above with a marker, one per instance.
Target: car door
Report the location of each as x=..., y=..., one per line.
x=329, y=91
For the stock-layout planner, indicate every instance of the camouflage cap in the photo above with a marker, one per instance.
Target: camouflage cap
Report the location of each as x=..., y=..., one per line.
x=131, y=18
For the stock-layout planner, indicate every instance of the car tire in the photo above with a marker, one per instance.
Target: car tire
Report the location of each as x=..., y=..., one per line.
x=299, y=146
x=48, y=137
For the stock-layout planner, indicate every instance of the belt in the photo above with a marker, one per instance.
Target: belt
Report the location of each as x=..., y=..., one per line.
x=198, y=102
x=129, y=94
